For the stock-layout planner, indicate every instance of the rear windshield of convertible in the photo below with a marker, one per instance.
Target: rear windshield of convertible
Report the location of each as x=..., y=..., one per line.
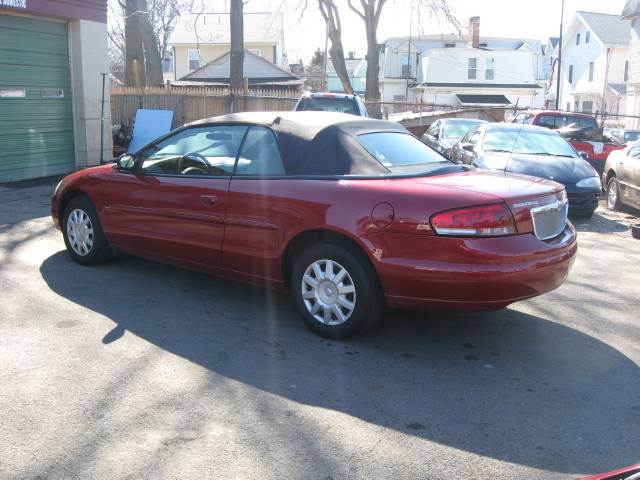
x=401, y=152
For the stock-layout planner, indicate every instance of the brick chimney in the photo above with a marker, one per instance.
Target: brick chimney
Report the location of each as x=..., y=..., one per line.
x=474, y=31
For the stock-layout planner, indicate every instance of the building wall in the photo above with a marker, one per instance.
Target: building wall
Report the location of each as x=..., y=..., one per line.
x=211, y=52
x=88, y=47
x=450, y=65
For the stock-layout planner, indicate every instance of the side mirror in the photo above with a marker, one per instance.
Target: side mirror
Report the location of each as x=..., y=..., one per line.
x=583, y=155
x=468, y=147
x=126, y=161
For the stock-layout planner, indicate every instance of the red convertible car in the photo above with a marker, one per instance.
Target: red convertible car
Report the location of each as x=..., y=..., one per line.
x=348, y=214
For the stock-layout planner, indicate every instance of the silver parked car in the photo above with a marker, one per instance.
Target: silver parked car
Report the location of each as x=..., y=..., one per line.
x=332, y=102
x=621, y=177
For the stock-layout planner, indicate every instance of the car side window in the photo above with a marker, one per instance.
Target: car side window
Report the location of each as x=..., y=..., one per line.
x=207, y=150
x=260, y=154
x=434, y=129
x=473, y=137
x=548, y=121
x=635, y=151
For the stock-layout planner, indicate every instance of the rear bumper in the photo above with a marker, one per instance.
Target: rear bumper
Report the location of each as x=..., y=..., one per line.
x=426, y=272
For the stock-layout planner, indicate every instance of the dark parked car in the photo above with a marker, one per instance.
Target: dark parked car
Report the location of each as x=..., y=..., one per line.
x=348, y=214
x=444, y=134
x=534, y=151
x=332, y=102
x=581, y=130
x=622, y=177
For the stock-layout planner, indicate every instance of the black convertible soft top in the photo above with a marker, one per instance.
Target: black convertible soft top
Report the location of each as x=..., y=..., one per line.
x=318, y=143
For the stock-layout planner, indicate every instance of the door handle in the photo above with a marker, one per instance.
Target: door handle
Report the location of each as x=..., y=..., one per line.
x=208, y=200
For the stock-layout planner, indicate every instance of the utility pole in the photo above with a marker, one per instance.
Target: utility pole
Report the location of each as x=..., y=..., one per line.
x=324, y=64
x=559, y=69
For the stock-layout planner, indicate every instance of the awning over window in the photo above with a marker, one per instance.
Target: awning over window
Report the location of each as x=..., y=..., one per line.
x=483, y=99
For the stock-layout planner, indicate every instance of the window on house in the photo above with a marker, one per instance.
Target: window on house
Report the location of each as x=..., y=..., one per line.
x=167, y=65
x=587, y=37
x=578, y=39
x=576, y=106
x=568, y=106
x=406, y=65
x=626, y=70
x=587, y=106
x=591, y=71
x=472, y=69
x=194, y=59
x=570, y=73
x=489, y=68
x=449, y=45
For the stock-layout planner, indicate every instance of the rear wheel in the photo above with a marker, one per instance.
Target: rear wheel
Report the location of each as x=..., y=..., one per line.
x=336, y=290
x=613, y=194
x=83, y=235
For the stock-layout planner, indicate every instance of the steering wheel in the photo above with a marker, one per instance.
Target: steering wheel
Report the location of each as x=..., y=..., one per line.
x=194, y=171
x=193, y=157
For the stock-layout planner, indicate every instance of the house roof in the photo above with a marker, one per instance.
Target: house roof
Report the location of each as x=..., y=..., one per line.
x=631, y=9
x=351, y=63
x=257, y=69
x=479, y=85
x=214, y=28
x=554, y=41
x=610, y=29
x=467, y=99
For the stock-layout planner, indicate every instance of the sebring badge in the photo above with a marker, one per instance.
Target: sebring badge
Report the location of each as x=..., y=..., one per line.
x=525, y=204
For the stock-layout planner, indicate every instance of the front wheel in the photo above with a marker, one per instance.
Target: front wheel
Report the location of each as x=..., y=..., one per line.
x=336, y=290
x=613, y=194
x=83, y=235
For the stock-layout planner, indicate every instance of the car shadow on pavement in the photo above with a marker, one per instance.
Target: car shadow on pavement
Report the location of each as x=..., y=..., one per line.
x=607, y=221
x=505, y=385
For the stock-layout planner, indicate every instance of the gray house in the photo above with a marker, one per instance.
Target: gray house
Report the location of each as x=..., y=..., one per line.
x=260, y=73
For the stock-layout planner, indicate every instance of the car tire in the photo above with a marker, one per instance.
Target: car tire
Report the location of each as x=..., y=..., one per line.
x=336, y=290
x=613, y=194
x=83, y=234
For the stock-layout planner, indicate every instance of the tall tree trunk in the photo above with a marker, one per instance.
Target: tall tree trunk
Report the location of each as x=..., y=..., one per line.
x=143, y=65
x=372, y=92
x=331, y=17
x=237, y=44
x=152, y=60
x=134, y=73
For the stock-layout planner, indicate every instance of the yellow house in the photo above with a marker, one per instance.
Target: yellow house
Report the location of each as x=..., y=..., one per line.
x=200, y=38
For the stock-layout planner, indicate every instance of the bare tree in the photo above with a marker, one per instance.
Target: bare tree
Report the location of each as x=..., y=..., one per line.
x=143, y=65
x=331, y=17
x=161, y=15
x=237, y=44
x=370, y=11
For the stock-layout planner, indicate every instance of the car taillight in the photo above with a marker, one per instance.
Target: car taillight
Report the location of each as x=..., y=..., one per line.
x=483, y=221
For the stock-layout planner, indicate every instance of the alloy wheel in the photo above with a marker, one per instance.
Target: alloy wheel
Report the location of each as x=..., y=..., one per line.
x=328, y=292
x=612, y=194
x=80, y=232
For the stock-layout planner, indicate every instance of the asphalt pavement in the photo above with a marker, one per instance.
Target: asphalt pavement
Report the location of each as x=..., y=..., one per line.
x=141, y=370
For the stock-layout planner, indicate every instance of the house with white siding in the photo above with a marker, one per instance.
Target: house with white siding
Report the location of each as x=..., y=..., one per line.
x=463, y=69
x=595, y=63
x=631, y=12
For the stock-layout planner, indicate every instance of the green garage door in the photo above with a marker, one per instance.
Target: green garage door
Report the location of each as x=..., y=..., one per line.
x=36, y=124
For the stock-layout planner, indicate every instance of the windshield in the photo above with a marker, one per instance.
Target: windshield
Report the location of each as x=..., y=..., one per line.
x=532, y=143
x=401, y=152
x=631, y=136
x=329, y=104
x=457, y=130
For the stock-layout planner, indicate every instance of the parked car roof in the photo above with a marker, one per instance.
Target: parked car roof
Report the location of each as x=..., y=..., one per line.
x=558, y=112
x=518, y=127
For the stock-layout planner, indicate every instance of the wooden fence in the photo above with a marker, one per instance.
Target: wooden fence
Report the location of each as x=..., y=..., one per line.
x=194, y=103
